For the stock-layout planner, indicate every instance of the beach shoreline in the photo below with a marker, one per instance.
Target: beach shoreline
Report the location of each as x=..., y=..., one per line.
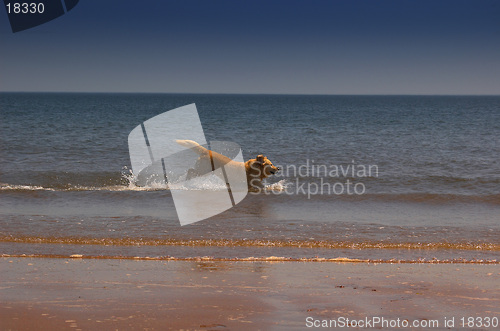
x=86, y=294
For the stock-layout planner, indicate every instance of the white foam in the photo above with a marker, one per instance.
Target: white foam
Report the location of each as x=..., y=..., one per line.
x=6, y=187
x=278, y=186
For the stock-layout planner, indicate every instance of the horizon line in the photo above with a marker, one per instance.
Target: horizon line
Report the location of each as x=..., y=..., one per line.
x=252, y=93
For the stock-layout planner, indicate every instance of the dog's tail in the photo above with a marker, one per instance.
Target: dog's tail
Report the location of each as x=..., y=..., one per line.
x=192, y=145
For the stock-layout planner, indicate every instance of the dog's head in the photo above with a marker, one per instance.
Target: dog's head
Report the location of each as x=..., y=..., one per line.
x=262, y=167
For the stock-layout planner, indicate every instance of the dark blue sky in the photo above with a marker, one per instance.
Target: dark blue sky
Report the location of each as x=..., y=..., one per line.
x=317, y=47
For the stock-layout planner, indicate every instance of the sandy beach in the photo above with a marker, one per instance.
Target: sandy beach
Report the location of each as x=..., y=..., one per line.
x=109, y=294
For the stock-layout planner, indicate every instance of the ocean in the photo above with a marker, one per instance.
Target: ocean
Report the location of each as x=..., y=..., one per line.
x=378, y=178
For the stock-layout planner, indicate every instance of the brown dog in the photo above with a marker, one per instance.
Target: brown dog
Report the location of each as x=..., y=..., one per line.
x=256, y=169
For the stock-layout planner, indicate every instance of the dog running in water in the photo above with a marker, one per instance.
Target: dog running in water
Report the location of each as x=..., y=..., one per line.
x=256, y=169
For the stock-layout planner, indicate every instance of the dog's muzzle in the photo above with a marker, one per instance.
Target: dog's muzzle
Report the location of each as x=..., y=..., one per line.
x=275, y=171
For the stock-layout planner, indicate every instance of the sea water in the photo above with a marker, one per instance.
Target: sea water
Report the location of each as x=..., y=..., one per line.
x=383, y=178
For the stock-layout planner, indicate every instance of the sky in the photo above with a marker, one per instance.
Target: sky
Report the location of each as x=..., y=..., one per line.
x=254, y=46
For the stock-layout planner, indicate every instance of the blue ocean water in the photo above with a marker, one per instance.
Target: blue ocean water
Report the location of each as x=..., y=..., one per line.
x=362, y=176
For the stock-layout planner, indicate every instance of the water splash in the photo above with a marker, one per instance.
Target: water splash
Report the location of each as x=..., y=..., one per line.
x=278, y=186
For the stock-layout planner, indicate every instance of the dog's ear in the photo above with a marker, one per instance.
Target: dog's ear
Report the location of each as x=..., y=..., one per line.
x=260, y=158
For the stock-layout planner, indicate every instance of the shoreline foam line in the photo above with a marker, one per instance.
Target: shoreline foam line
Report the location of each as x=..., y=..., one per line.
x=478, y=246
x=249, y=259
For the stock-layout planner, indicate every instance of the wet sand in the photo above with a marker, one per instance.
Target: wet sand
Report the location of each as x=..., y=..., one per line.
x=91, y=294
